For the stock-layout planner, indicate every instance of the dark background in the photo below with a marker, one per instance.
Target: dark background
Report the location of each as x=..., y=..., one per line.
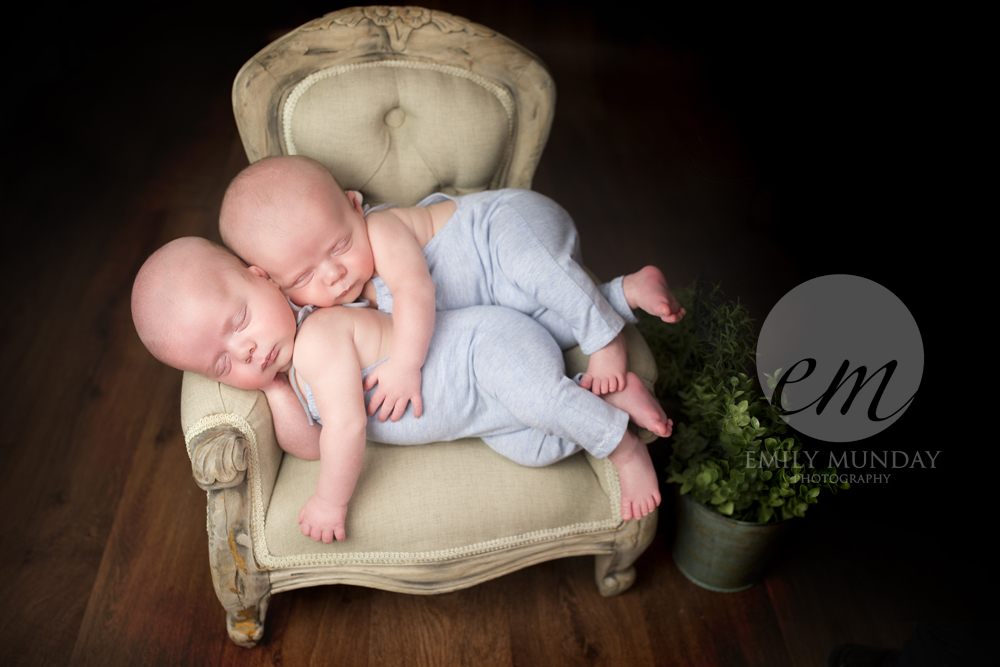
x=822, y=142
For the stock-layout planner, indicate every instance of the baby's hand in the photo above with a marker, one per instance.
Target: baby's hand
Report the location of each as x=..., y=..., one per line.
x=322, y=520
x=279, y=382
x=397, y=385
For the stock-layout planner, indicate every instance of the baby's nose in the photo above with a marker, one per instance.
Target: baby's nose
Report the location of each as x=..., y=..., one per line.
x=334, y=273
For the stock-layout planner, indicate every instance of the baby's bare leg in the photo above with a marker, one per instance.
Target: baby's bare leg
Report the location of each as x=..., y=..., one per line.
x=637, y=476
x=606, y=368
x=647, y=289
x=641, y=407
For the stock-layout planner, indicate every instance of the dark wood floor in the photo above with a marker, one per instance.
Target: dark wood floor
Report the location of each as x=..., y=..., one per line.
x=711, y=145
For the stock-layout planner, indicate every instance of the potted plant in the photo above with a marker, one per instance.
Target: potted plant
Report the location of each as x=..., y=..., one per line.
x=734, y=458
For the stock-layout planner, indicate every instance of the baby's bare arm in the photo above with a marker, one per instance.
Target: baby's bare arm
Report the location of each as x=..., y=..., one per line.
x=327, y=359
x=294, y=432
x=400, y=262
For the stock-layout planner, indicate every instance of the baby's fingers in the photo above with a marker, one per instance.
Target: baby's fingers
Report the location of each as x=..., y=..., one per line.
x=399, y=409
x=418, y=406
x=327, y=536
x=387, y=408
x=377, y=399
x=371, y=380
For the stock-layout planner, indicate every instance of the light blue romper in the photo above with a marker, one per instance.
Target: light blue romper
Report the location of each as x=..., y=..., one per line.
x=497, y=374
x=519, y=249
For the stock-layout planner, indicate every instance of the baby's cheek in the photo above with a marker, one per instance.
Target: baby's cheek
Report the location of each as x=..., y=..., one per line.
x=296, y=297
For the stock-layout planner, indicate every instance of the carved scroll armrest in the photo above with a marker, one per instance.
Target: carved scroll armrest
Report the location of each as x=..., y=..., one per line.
x=219, y=457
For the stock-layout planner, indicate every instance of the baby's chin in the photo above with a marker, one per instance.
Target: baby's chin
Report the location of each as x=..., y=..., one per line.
x=326, y=302
x=350, y=297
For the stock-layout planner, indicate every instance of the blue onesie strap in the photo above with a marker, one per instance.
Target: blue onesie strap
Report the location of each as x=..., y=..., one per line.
x=301, y=313
x=366, y=209
x=302, y=400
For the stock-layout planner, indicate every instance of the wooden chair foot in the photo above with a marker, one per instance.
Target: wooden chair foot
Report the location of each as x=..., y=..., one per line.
x=615, y=582
x=246, y=627
x=614, y=572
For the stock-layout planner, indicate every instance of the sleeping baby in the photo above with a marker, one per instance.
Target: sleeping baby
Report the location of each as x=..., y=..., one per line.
x=487, y=371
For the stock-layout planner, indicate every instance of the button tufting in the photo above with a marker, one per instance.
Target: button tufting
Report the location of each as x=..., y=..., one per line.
x=394, y=117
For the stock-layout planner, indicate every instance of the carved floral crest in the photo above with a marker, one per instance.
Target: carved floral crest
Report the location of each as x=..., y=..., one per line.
x=399, y=22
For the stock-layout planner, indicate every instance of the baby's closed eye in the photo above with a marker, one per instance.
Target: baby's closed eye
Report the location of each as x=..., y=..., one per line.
x=241, y=319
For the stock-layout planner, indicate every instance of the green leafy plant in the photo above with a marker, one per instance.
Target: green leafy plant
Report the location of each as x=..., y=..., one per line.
x=732, y=451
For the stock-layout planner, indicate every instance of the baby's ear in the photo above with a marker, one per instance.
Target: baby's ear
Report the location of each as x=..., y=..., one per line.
x=356, y=198
x=257, y=271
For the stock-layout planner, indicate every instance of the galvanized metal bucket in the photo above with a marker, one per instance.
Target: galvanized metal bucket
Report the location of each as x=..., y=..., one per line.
x=719, y=553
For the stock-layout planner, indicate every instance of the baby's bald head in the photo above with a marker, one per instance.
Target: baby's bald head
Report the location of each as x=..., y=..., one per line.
x=181, y=274
x=257, y=202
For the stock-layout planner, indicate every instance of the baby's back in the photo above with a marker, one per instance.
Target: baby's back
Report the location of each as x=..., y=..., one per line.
x=369, y=330
x=424, y=222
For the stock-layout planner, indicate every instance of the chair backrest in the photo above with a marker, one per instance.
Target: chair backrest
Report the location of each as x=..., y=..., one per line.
x=399, y=102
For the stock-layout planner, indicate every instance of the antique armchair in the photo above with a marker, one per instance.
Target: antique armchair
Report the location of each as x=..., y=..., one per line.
x=398, y=102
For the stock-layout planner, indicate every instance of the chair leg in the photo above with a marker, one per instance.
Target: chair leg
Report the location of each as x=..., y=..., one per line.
x=243, y=590
x=614, y=572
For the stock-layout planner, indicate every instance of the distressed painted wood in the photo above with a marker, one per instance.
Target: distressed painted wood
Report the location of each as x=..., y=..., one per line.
x=615, y=550
x=367, y=34
x=614, y=572
x=219, y=463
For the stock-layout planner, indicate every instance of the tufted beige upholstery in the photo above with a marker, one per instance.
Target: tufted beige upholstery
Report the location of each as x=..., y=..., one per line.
x=421, y=130
x=399, y=103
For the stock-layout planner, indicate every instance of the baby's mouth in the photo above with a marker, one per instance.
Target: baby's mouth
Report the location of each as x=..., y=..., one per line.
x=270, y=358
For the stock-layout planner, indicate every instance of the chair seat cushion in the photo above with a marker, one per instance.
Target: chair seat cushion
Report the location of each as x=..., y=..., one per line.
x=437, y=502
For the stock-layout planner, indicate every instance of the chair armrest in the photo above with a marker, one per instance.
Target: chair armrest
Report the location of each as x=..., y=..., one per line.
x=219, y=457
x=229, y=433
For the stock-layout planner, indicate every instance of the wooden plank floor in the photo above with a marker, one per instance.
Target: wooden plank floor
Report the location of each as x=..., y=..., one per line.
x=706, y=150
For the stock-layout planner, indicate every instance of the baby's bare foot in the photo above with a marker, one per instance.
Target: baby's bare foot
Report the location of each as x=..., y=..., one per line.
x=647, y=289
x=606, y=368
x=637, y=476
x=641, y=407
